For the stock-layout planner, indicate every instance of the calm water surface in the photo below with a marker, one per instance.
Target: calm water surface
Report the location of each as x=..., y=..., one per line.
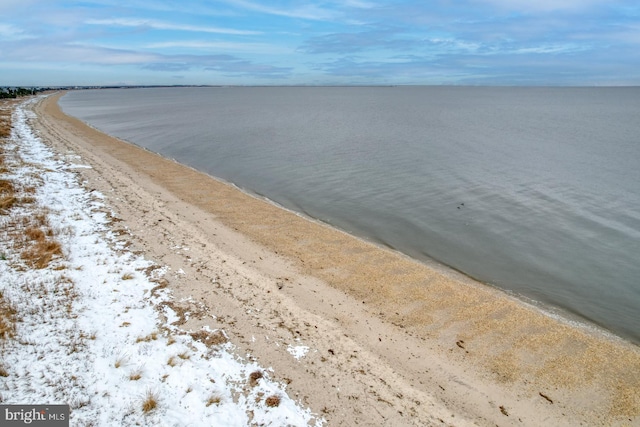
x=533, y=190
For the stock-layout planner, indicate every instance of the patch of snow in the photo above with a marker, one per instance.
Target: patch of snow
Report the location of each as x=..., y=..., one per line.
x=298, y=352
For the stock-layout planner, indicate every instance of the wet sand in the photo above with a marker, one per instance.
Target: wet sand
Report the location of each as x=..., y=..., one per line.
x=393, y=341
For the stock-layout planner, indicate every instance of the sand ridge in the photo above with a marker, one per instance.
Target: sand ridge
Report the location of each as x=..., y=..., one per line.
x=395, y=342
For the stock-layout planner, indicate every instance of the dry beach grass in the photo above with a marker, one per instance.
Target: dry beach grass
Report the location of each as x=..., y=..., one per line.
x=25, y=233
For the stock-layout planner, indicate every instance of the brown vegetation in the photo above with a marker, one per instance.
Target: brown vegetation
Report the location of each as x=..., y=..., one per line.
x=122, y=360
x=150, y=402
x=213, y=400
x=5, y=123
x=254, y=378
x=7, y=201
x=151, y=337
x=273, y=401
x=42, y=253
x=31, y=234
x=7, y=195
x=209, y=338
x=6, y=187
x=7, y=318
x=5, y=128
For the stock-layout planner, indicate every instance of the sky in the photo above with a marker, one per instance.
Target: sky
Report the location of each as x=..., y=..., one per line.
x=320, y=42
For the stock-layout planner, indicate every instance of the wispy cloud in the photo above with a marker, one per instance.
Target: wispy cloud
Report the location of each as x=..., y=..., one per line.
x=247, y=68
x=627, y=34
x=398, y=70
x=190, y=7
x=261, y=48
x=375, y=38
x=360, y=4
x=307, y=11
x=106, y=56
x=11, y=32
x=159, y=25
x=226, y=64
x=74, y=53
x=545, y=5
x=8, y=6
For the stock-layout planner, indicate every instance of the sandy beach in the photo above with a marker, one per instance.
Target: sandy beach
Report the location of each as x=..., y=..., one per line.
x=392, y=341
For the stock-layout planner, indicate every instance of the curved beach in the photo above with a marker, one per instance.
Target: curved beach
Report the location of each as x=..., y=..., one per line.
x=392, y=341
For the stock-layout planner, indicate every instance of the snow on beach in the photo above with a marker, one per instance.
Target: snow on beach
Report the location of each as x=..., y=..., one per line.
x=88, y=329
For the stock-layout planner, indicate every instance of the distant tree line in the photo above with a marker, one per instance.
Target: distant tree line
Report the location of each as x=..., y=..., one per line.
x=8, y=92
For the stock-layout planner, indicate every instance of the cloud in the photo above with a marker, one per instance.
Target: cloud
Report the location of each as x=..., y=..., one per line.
x=469, y=38
x=194, y=8
x=247, y=68
x=550, y=49
x=545, y=5
x=8, y=6
x=358, y=4
x=409, y=69
x=536, y=65
x=383, y=38
x=186, y=62
x=623, y=34
x=262, y=48
x=159, y=25
x=167, y=66
x=308, y=11
x=40, y=51
x=11, y=32
x=229, y=65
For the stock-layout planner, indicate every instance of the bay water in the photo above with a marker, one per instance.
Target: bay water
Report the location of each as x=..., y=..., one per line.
x=533, y=190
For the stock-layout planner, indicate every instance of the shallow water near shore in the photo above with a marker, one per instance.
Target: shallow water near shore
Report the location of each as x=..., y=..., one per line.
x=533, y=190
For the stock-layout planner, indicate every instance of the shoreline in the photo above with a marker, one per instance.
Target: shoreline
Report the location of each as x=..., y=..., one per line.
x=463, y=346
